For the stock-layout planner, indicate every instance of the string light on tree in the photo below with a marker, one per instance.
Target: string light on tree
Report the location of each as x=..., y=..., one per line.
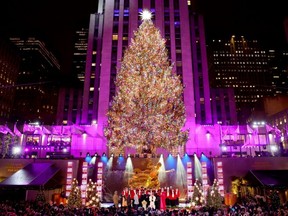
x=198, y=195
x=93, y=199
x=74, y=198
x=147, y=110
x=214, y=198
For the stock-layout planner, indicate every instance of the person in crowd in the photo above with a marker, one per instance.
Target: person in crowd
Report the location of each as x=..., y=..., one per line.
x=144, y=204
x=136, y=201
x=116, y=199
x=123, y=201
x=129, y=201
x=163, y=196
x=152, y=199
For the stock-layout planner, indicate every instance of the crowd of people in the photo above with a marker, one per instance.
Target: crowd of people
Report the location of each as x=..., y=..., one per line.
x=248, y=206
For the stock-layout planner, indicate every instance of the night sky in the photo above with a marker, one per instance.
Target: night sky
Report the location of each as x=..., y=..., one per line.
x=54, y=21
x=253, y=19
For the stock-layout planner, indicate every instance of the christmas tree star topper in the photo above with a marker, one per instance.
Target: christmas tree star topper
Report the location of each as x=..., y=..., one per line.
x=145, y=15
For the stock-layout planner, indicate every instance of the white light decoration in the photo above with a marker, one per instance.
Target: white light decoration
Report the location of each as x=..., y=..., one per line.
x=99, y=179
x=204, y=177
x=84, y=181
x=145, y=15
x=69, y=177
x=16, y=150
x=274, y=148
x=219, y=169
x=189, y=180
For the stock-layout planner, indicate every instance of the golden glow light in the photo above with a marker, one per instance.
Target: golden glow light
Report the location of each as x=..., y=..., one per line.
x=147, y=111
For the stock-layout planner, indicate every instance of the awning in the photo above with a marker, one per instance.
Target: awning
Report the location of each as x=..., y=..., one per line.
x=33, y=176
x=268, y=178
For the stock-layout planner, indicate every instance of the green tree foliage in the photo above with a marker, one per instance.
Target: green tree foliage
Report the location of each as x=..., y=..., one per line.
x=198, y=195
x=74, y=198
x=213, y=197
x=148, y=109
x=40, y=196
x=92, y=199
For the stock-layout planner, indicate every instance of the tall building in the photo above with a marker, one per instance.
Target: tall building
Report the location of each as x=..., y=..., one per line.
x=242, y=65
x=70, y=97
x=69, y=106
x=79, y=53
x=110, y=32
x=37, y=89
x=285, y=24
x=223, y=106
x=278, y=67
x=9, y=69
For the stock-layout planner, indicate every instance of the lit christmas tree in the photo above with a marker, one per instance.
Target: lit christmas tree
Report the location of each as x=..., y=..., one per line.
x=274, y=199
x=214, y=198
x=148, y=109
x=74, y=198
x=92, y=198
x=198, y=195
x=209, y=200
x=40, y=196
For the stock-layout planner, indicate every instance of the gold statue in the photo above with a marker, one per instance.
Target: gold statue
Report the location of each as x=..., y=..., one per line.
x=147, y=178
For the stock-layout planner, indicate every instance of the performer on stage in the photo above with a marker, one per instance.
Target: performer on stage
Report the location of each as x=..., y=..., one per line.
x=163, y=196
x=152, y=199
x=116, y=199
x=144, y=204
x=172, y=198
x=123, y=201
x=177, y=194
x=135, y=201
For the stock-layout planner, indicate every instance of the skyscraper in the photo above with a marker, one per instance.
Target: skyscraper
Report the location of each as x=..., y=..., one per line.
x=223, y=106
x=110, y=32
x=243, y=65
x=70, y=97
x=279, y=71
x=37, y=90
x=79, y=53
x=9, y=69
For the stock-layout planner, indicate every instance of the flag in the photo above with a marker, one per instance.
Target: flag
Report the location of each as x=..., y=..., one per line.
x=38, y=130
x=57, y=130
x=277, y=131
x=76, y=129
x=255, y=131
x=45, y=130
x=67, y=130
x=3, y=129
x=249, y=129
x=269, y=128
x=28, y=128
x=16, y=131
x=236, y=132
x=9, y=131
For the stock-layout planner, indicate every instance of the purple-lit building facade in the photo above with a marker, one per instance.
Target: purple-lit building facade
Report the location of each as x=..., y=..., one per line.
x=110, y=31
x=210, y=113
x=223, y=106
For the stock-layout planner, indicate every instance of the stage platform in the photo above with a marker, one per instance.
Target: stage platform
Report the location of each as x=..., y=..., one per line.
x=108, y=204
